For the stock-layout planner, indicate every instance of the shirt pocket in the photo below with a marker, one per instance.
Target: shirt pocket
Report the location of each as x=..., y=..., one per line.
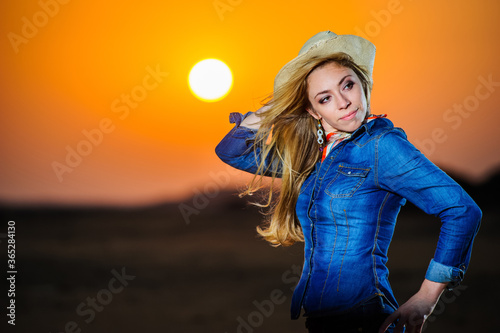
x=346, y=181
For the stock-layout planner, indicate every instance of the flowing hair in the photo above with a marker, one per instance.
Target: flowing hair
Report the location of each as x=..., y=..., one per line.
x=288, y=148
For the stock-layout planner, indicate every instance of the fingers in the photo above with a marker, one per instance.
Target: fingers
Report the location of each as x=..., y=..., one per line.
x=411, y=325
x=388, y=321
x=401, y=323
x=400, y=326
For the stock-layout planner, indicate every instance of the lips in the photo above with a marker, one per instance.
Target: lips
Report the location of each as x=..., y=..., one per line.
x=350, y=115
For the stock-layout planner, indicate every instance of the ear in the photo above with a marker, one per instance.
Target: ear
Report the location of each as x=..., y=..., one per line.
x=313, y=113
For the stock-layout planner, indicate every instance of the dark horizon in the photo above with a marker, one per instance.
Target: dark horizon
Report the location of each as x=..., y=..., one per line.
x=481, y=192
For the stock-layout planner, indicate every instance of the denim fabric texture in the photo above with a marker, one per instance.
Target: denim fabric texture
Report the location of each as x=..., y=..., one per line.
x=348, y=208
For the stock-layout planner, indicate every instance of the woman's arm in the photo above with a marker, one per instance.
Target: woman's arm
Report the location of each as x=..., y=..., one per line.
x=238, y=147
x=402, y=169
x=253, y=119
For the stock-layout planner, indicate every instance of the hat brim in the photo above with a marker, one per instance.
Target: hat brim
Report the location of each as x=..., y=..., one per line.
x=361, y=50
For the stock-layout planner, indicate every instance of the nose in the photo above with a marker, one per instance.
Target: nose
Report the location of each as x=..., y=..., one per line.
x=344, y=102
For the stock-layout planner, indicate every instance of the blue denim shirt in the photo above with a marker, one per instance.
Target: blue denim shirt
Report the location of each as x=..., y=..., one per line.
x=348, y=207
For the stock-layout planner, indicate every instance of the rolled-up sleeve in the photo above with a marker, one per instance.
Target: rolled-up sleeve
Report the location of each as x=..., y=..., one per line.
x=445, y=274
x=238, y=148
x=403, y=169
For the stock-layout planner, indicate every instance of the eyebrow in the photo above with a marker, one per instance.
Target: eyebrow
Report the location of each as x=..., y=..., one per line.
x=340, y=83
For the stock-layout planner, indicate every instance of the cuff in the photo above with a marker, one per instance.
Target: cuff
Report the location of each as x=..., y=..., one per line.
x=442, y=273
x=237, y=118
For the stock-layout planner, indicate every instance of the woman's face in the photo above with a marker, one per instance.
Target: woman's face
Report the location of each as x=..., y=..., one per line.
x=337, y=98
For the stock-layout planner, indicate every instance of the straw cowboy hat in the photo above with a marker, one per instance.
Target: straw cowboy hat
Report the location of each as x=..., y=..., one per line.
x=326, y=42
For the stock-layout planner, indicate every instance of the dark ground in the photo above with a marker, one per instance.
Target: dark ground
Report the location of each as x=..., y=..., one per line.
x=211, y=275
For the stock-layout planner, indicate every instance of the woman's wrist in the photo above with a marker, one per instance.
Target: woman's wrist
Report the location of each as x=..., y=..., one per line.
x=253, y=120
x=432, y=290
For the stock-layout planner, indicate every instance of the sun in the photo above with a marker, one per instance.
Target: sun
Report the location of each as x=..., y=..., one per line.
x=210, y=80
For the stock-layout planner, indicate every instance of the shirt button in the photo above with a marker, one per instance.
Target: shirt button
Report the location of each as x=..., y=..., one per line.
x=349, y=172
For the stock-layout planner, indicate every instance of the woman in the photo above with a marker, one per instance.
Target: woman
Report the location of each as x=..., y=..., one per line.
x=344, y=176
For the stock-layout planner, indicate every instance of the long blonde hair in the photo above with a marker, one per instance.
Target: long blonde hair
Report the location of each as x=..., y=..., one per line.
x=289, y=149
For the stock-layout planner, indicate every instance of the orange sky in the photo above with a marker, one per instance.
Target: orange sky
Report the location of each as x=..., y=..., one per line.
x=68, y=66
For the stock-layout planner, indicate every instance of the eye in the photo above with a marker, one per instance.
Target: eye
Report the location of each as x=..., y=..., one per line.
x=349, y=85
x=324, y=100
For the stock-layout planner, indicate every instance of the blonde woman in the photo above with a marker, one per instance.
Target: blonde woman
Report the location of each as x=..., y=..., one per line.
x=345, y=174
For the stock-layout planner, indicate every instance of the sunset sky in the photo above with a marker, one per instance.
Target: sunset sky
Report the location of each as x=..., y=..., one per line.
x=110, y=79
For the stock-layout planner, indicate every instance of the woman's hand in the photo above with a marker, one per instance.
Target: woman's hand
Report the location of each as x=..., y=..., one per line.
x=253, y=120
x=415, y=311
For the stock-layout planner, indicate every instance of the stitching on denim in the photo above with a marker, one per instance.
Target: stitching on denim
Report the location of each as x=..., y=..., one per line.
x=395, y=130
x=351, y=171
x=357, y=143
x=330, y=163
x=376, y=238
x=331, y=257
x=331, y=159
x=306, y=184
x=375, y=166
x=312, y=239
x=316, y=187
x=345, y=195
x=345, y=251
x=351, y=167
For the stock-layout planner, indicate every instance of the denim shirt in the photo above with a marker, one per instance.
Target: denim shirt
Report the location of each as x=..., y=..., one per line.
x=348, y=206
